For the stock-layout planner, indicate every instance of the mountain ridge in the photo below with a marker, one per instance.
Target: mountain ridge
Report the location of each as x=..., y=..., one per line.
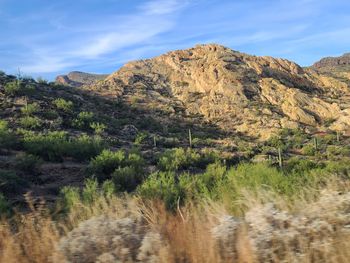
x=252, y=95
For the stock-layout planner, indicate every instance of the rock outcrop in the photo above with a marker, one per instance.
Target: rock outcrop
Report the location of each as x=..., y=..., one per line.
x=77, y=78
x=240, y=93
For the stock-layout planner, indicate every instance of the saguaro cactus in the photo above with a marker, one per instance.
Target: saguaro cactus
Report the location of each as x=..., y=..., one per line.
x=315, y=143
x=190, y=137
x=280, y=161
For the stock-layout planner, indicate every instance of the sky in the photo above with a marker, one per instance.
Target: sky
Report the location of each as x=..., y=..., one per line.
x=46, y=38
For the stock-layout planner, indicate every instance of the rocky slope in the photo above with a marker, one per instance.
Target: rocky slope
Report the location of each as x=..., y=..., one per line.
x=77, y=78
x=240, y=93
x=325, y=64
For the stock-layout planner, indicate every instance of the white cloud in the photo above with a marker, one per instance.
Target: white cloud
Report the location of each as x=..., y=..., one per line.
x=153, y=18
x=161, y=7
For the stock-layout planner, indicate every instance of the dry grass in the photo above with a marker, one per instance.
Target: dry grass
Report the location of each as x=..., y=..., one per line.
x=129, y=230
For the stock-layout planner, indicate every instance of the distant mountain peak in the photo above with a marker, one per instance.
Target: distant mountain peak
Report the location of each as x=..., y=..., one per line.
x=79, y=78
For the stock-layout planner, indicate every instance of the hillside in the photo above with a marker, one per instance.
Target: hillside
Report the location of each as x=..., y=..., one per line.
x=249, y=95
x=198, y=155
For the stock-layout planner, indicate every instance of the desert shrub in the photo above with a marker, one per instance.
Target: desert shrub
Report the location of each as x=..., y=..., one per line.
x=69, y=197
x=85, y=147
x=300, y=166
x=107, y=239
x=179, y=158
x=341, y=168
x=258, y=178
x=30, y=122
x=18, y=87
x=50, y=115
x=98, y=128
x=52, y=146
x=12, y=88
x=83, y=120
x=119, y=166
x=140, y=138
x=309, y=150
x=29, y=109
x=333, y=150
x=64, y=105
x=8, y=140
x=27, y=162
x=105, y=163
x=165, y=186
x=10, y=182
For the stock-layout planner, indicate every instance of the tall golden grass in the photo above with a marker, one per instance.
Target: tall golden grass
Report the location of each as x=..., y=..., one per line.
x=129, y=229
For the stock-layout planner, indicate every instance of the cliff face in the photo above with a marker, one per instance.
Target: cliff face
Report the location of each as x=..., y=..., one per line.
x=77, y=78
x=252, y=95
x=333, y=62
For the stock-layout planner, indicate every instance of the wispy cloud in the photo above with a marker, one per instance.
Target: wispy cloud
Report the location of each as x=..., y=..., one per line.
x=152, y=19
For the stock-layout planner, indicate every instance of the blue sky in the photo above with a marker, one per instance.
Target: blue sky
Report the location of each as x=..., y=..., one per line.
x=46, y=38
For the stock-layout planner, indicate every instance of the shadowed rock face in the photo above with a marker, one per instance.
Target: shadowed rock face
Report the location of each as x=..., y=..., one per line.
x=77, y=78
x=253, y=95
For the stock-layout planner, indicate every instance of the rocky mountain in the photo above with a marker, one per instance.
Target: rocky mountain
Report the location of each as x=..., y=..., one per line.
x=329, y=63
x=77, y=78
x=240, y=93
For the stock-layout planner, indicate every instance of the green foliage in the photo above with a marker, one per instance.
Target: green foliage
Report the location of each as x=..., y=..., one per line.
x=53, y=146
x=10, y=182
x=50, y=114
x=164, y=186
x=126, y=171
x=300, y=166
x=72, y=197
x=141, y=136
x=12, y=88
x=98, y=128
x=84, y=120
x=69, y=197
x=29, y=122
x=309, y=150
x=18, y=87
x=179, y=158
x=27, y=162
x=7, y=139
x=103, y=165
x=29, y=109
x=64, y=105
x=85, y=147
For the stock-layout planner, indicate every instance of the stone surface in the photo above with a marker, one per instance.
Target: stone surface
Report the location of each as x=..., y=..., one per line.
x=238, y=92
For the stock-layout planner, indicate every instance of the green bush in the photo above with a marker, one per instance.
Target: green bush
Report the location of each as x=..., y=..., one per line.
x=300, y=166
x=105, y=163
x=83, y=120
x=64, y=105
x=98, y=128
x=8, y=140
x=309, y=150
x=126, y=171
x=18, y=87
x=52, y=146
x=12, y=88
x=179, y=158
x=164, y=186
x=29, y=122
x=29, y=109
x=28, y=162
x=126, y=178
x=10, y=182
